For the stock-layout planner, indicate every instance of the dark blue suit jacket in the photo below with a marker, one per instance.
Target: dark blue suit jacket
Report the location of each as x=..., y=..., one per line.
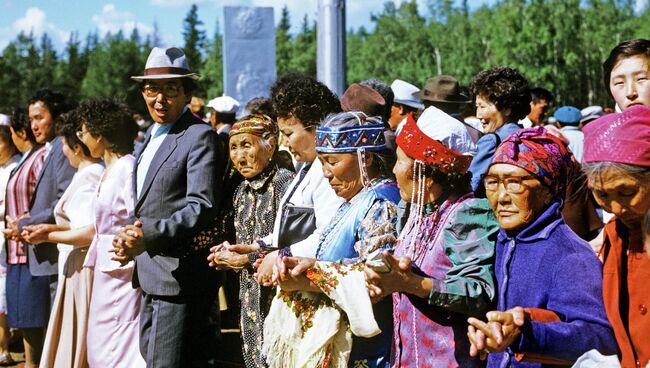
x=178, y=204
x=53, y=180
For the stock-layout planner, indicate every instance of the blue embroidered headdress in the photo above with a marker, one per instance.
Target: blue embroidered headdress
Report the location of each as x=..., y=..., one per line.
x=367, y=135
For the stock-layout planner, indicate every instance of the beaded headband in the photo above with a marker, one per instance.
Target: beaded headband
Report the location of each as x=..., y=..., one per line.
x=419, y=146
x=349, y=139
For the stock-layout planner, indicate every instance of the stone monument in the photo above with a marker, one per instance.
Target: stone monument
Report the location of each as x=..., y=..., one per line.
x=248, y=52
x=331, y=68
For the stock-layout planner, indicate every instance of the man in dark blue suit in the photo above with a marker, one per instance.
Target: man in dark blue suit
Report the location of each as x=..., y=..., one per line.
x=178, y=169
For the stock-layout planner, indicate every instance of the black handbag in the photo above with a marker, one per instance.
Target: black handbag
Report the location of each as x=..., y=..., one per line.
x=296, y=224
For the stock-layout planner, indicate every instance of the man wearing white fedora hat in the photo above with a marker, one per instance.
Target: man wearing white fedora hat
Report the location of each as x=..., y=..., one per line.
x=178, y=168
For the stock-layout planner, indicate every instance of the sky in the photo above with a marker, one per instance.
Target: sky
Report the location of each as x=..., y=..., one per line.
x=59, y=18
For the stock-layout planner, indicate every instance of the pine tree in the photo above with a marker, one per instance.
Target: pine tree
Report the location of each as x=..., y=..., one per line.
x=194, y=38
x=283, y=43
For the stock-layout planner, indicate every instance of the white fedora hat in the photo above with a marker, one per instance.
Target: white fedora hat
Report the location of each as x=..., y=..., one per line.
x=166, y=63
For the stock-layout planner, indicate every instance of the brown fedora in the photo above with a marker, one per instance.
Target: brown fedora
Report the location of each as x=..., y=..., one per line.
x=442, y=88
x=363, y=98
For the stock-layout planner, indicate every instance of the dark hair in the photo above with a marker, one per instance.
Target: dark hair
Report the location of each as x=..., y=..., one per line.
x=538, y=93
x=624, y=50
x=5, y=136
x=505, y=87
x=260, y=106
x=224, y=118
x=20, y=123
x=385, y=91
x=453, y=183
x=110, y=119
x=68, y=125
x=189, y=86
x=304, y=98
x=55, y=101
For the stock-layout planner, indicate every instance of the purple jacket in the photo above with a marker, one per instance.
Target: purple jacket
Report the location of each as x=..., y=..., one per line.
x=548, y=266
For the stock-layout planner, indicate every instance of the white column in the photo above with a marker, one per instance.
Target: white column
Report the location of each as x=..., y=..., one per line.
x=331, y=69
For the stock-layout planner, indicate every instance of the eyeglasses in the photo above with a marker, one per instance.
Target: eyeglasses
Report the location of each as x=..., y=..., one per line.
x=512, y=184
x=80, y=134
x=168, y=90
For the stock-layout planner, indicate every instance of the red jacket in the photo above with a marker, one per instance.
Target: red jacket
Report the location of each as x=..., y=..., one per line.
x=627, y=290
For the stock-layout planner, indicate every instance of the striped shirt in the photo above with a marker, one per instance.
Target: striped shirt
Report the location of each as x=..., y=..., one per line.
x=20, y=190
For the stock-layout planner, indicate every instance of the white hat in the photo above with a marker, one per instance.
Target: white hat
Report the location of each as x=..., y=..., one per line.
x=438, y=125
x=404, y=94
x=224, y=105
x=5, y=119
x=590, y=113
x=166, y=63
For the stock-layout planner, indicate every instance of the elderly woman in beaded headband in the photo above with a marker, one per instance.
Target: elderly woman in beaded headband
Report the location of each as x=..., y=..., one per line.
x=252, y=145
x=441, y=272
x=348, y=145
x=525, y=185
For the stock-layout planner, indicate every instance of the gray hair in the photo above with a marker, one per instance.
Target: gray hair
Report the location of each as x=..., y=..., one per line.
x=595, y=170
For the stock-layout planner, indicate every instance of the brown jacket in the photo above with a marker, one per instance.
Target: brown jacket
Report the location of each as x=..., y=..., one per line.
x=626, y=290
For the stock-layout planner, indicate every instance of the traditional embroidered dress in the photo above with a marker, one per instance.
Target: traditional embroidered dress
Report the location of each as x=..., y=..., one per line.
x=256, y=203
x=455, y=248
x=450, y=241
x=365, y=223
x=307, y=329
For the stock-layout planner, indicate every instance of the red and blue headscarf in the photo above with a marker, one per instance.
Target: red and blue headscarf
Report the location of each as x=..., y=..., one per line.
x=541, y=154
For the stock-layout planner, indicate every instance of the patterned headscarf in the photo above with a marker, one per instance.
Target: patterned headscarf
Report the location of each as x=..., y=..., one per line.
x=541, y=154
x=259, y=125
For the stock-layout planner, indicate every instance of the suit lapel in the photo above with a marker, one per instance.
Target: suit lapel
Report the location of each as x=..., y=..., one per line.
x=164, y=151
x=138, y=153
x=48, y=160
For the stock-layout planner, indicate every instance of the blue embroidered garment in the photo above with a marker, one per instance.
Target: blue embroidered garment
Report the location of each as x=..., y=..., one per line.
x=365, y=223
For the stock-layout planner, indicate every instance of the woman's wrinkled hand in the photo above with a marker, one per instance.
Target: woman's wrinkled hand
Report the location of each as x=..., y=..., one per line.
x=289, y=273
x=500, y=330
x=397, y=279
x=264, y=274
x=222, y=258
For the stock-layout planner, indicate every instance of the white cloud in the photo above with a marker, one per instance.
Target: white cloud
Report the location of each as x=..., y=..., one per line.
x=176, y=3
x=113, y=20
x=641, y=5
x=34, y=21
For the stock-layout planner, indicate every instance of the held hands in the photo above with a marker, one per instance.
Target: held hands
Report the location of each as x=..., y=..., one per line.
x=128, y=243
x=289, y=273
x=397, y=279
x=224, y=256
x=11, y=228
x=37, y=234
x=501, y=330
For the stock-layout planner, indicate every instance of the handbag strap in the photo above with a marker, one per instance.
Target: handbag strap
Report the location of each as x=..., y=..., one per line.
x=301, y=176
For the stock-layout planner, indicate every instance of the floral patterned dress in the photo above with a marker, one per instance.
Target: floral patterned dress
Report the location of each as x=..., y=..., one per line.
x=256, y=203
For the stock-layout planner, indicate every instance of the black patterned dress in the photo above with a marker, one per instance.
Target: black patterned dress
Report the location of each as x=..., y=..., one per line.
x=256, y=203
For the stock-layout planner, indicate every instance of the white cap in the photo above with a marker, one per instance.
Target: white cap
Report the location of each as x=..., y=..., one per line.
x=440, y=126
x=224, y=105
x=404, y=94
x=5, y=119
x=590, y=113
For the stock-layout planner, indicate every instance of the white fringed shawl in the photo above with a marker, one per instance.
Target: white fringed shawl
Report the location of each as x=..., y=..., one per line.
x=308, y=329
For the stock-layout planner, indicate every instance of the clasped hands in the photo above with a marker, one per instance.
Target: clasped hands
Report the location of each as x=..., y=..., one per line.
x=501, y=330
x=11, y=228
x=231, y=256
x=128, y=243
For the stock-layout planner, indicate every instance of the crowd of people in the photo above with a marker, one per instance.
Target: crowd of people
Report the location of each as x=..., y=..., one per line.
x=392, y=226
